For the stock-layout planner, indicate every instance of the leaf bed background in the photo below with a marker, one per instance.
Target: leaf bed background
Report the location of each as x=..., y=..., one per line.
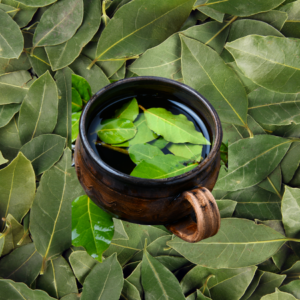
x=242, y=56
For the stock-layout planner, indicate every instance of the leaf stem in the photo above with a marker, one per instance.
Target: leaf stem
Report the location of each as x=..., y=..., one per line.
x=11, y=11
x=23, y=237
x=249, y=131
x=143, y=108
x=112, y=147
x=104, y=12
x=43, y=266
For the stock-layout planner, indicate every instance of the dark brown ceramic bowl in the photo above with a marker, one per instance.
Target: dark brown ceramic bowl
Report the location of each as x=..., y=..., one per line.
x=174, y=202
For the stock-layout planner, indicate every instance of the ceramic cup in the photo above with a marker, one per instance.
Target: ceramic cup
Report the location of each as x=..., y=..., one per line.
x=184, y=204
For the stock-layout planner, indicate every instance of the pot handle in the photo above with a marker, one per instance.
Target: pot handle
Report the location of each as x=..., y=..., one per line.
x=207, y=216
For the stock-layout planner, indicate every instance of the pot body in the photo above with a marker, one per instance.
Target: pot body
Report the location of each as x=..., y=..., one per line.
x=137, y=200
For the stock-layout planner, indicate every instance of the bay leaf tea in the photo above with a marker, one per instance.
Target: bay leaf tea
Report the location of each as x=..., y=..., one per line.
x=149, y=136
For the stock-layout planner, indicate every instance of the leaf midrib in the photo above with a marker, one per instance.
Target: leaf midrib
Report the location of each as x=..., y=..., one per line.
x=277, y=103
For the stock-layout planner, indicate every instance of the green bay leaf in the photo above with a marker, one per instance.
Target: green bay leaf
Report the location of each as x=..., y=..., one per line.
x=38, y=113
x=145, y=18
x=140, y=152
x=186, y=150
x=58, y=23
x=280, y=71
x=76, y=101
x=115, y=131
x=128, y=111
x=64, y=54
x=83, y=88
x=75, y=125
x=105, y=281
x=201, y=68
x=92, y=227
x=239, y=243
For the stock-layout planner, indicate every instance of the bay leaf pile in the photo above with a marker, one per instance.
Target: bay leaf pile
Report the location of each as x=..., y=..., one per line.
x=243, y=56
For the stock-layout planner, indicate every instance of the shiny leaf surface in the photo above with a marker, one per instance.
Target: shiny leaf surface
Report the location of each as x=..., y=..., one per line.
x=82, y=87
x=129, y=111
x=186, y=150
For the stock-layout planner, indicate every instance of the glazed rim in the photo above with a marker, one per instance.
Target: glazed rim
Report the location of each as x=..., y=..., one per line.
x=143, y=181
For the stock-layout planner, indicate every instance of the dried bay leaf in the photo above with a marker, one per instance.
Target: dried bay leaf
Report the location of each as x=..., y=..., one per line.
x=291, y=26
x=16, y=64
x=295, y=182
x=229, y=283
x=72, y=296
x=201, y=67
x=241, y=9
x=140, y=18
x=239, y=243
x=115, y=131
x=272, y=108
x=60, y=184
x=120, y=74
x=38, y=113
x=92, y=227
x=140, y=152
x=249, y=169
x=95, y=77
x=162, y=166
x=44, y=151
x=17, y=188
x=129, y=292
x=82, y=264
x=212, y=13
x=7, y=112
x=226, y=207
x=2, y=159
x=39, y=61
x=11, y=38
x=273, y=181
x=253, y=285
x=22, y=265
x=278, y=295
x=58, y=280
x=290, y=162
x=13, y=87
x=64, y=54
x=281, y=70
x=242, y=28
x=293, y=288
x=10, y=140
x=120, y=233
x=105, y=281
x=58, y=23
x=64, y=119
x=35, y=3
x=20, y=291
x=157, y=281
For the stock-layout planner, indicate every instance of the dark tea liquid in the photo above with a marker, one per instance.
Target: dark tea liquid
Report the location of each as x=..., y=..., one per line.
x=122, y=162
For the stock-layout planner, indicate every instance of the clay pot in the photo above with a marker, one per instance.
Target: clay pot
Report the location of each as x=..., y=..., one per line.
x=184, y=204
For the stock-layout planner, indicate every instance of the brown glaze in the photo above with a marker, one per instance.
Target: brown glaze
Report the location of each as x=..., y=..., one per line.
x=168, y=201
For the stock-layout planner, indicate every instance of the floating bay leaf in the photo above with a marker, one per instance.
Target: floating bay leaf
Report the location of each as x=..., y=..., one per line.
x=271, y=108
x=129, y=292
x=64, y=54
x=92, y=227
x=58, y=23
x=158, y=282
x=280, y=71
x=20, y=291
x=162, y=166
x=82, y=264
x=275, y=18
x=143, y=135
x=186, y=150
x=7, y=112
x=242, y=9
x=226, y=207
x=95, y=77
x=128, y=111
x=160, y=143
x=11, y=38
x=290, y=162
x=174, y=128
x=292, y=288
x=58, y=280
x=229, y=283
x=141, y=18
x=58, y=187
x=38, y=113
x=241, y=28
x=13, y=87
x=12, y=65
x=35, y=3
x=201, y=69
x=249, y=169
x=267, y=284
x=140, y=152
x=39, y=61
x=114, y=131
x=273, y=182
x=44, y=151
x=64, y=126
x=291, y=26
x=239, y=243
x=22, y=265
x=17, y=188
x=24, y=14
x=10, y=140
x=75, y=125
x=105, y=281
